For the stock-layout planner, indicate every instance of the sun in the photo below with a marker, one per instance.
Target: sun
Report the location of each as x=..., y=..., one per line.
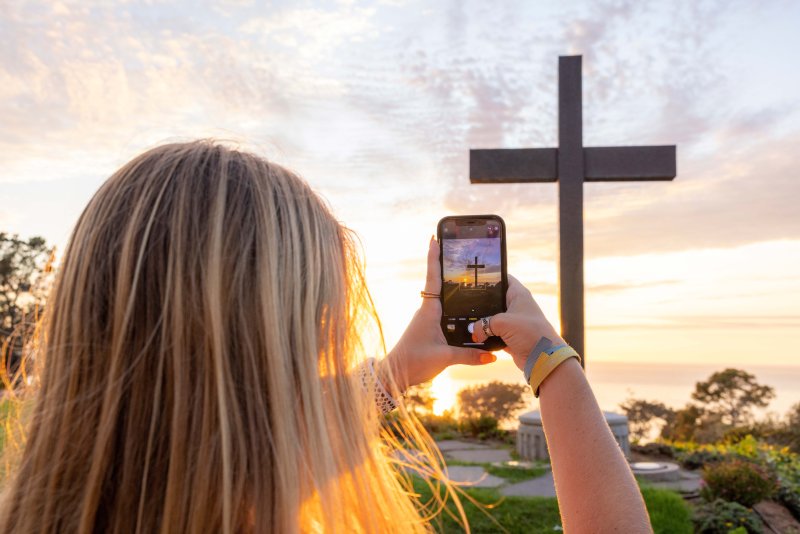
x=445, y=392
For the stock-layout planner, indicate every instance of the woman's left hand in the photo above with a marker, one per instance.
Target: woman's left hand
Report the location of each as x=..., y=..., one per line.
x=423, y=352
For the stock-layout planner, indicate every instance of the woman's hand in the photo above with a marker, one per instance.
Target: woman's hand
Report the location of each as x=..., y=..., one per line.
x=423, y=352
x=521, y=326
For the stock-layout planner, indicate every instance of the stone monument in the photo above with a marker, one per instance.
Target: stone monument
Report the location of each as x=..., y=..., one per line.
x=532, y=445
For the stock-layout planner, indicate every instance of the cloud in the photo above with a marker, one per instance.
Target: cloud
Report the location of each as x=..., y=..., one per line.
x=708, y=322
x=731, y=199
x=378, y=107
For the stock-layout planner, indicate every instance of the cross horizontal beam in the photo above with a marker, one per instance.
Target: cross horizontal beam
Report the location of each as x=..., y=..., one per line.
x=508, y=165
x=629, y=163
x=610, y=164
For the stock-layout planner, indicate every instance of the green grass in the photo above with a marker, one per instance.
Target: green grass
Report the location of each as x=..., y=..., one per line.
x=515, y=474
x=668, y=512
x=511, y=474
x=5, y=415
x=515, y=514
x=5, y=410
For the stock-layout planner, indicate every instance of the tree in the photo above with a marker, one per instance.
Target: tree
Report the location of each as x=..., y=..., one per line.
x=793, y=416
x=495, y=399
x=732, y=394
x=683, y=424
x=419, y=398
x=641, y=414
x=25, y=275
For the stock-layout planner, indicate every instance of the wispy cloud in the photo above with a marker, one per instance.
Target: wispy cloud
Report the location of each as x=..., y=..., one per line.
x=381, y=101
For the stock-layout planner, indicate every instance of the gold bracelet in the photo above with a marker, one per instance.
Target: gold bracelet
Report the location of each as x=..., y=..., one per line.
x=546, y=364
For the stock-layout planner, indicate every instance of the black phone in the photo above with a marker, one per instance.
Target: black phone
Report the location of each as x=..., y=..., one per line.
x=472, y=254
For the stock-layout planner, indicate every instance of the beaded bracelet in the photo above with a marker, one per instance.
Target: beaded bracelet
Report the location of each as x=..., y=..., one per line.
x=372, y=383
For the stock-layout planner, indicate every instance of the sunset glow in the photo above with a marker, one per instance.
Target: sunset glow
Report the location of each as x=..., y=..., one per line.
x=377, y=104
x=445, y=391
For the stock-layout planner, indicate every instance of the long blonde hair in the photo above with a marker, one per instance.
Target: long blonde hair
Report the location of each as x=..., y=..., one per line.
x=197, y=358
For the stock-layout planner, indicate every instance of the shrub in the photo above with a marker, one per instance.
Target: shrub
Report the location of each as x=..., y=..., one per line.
x=438, y=424
x=759, y=430
x=738, y=481
x=654, y=449
x=497, y=400
x=479, y=427
x=722, y=517
x=643, y=414
x=699, y=458
x=789, y=496
x=419, y=399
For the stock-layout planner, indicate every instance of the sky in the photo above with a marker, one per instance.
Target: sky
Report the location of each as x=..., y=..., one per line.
x=458, y=254
x=376, y=105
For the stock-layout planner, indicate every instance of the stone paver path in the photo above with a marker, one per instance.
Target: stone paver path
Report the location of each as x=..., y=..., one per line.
x=475, y=475
x=466, y=451
x=542, y=486
x=483, y=456
x=688, y=485
x=448, y=445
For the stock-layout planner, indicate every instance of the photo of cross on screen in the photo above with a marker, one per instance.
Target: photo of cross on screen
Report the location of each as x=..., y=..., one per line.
x=472, y=277
x=473, y=255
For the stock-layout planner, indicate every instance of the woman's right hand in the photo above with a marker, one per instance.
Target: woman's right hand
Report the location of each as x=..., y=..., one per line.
x=521, y=326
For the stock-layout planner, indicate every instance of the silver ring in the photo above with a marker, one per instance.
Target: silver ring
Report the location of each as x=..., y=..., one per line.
x=487, y=326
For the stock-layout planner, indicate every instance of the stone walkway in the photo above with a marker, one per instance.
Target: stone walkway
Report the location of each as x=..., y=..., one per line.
x=542, y=486
x=688, y=485
x=476, y=475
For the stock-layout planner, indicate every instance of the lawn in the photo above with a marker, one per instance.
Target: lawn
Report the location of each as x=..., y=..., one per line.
x=668, y=512
x=510, y=473
x=5, y=409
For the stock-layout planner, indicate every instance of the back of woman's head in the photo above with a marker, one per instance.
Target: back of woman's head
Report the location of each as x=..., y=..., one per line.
x=197, y=359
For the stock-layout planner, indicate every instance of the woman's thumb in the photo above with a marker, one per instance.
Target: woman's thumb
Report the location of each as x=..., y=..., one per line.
x=465, y=356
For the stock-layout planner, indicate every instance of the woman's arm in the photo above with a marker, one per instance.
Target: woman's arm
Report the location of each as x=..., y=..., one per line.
x=594, y=484
x=595, y=487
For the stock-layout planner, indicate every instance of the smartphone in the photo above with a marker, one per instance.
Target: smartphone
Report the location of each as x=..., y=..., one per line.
x=472, y=253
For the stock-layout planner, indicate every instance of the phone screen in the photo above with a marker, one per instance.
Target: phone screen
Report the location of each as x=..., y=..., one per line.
x=474, y=279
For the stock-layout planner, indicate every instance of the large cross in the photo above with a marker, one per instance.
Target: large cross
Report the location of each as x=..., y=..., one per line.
x=570, y=165
x=476, y=266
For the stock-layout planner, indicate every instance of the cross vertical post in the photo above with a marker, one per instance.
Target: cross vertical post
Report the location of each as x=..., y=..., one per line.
x=570, y=201
x=476, y=266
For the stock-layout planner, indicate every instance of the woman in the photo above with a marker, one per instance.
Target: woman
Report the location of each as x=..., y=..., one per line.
x=203, y=370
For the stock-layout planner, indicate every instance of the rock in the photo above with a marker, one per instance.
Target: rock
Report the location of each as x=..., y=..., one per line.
x=777, y=518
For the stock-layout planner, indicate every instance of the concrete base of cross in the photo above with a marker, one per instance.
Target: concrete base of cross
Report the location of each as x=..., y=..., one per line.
x=532, y=445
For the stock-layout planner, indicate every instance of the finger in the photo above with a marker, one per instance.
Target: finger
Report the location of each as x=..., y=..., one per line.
x=496, y=326
x=433, y=279
x=464, y=356
x=478, y=335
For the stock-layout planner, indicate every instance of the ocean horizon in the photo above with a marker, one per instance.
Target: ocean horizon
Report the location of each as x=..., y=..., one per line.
x=672, y=384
